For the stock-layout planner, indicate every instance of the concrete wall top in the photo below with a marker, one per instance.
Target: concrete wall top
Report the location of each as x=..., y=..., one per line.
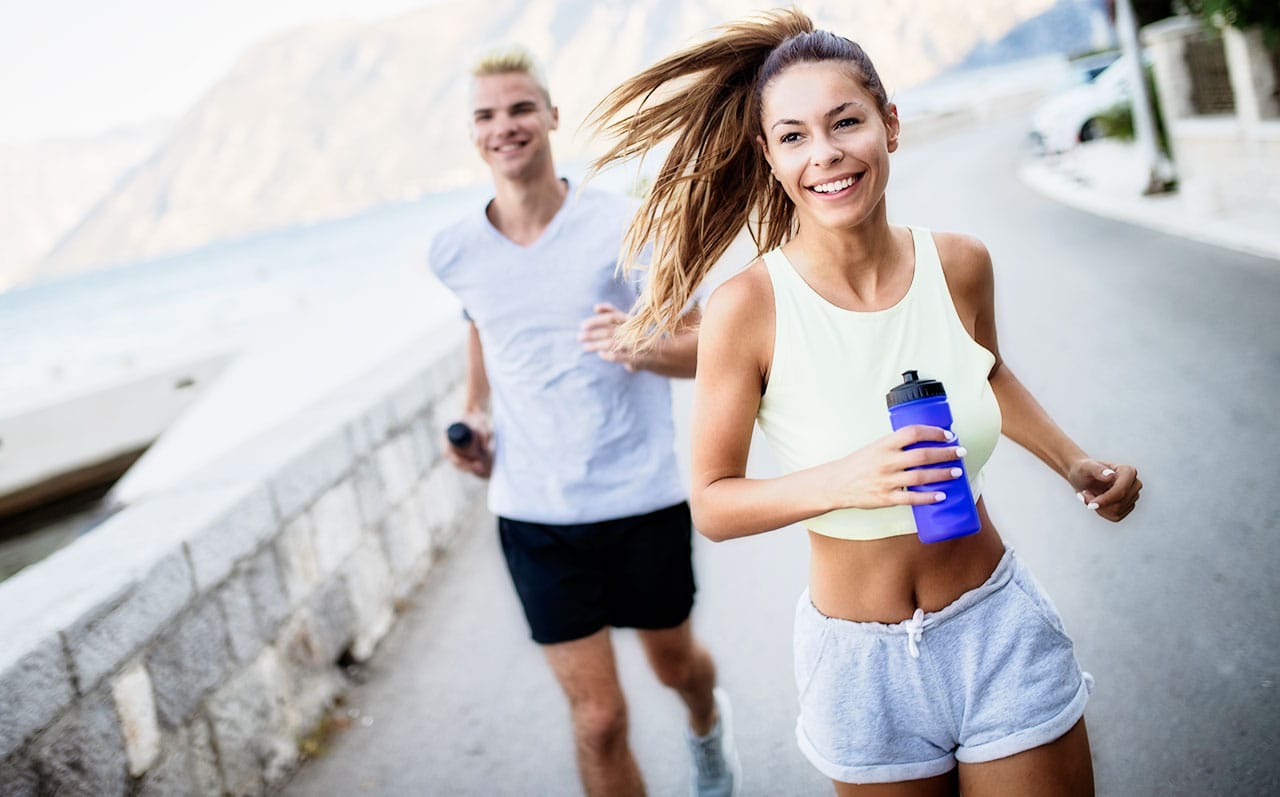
x=81, y=616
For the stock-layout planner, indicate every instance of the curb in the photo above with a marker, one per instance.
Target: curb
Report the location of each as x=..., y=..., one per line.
x=1166, y=214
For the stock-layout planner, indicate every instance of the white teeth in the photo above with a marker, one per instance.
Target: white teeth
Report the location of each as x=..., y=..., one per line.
x=831, y=188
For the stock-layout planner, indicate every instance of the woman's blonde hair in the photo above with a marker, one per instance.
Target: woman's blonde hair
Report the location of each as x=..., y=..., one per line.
x=714, y=181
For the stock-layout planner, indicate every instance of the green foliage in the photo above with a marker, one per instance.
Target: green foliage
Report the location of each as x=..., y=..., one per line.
x=1162, y=135
x=1148, y=11
x=1117, y=121
x=1242, y=14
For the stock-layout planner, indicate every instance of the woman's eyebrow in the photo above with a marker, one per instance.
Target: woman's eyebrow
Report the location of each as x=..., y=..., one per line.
x=836, y=111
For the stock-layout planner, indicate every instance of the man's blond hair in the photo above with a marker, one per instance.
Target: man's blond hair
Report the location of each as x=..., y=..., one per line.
x=510, y=59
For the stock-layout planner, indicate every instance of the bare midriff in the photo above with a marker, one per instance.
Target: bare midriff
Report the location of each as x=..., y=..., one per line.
x=886, y=580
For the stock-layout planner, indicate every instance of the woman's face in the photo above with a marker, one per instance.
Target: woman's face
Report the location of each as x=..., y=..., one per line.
x=827, y=143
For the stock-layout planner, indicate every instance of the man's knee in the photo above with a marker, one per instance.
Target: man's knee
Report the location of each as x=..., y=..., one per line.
x=600, y=725
x=675, y=670
x=678, y=666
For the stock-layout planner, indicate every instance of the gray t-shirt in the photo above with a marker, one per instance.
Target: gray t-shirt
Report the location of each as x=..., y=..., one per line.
x=577, y=439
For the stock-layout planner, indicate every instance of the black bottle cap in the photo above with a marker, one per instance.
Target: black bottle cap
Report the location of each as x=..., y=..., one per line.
x=459, y=434
x=912, y=388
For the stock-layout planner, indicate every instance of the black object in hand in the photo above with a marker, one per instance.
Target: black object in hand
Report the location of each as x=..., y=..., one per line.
x=459, y=434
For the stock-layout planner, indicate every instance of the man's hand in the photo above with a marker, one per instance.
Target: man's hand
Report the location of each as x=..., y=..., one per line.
x=597, y=335
x=477, y=457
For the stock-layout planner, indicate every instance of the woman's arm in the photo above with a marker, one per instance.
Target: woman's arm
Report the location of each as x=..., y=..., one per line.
x=1110, y=488
x=734, y=352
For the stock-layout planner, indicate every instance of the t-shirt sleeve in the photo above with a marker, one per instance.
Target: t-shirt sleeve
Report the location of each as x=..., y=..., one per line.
x=437, y=254
x=638, y=277
x=626, y=208
x=441, y=258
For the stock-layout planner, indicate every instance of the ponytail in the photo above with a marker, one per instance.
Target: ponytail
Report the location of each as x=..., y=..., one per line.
x=714, y=181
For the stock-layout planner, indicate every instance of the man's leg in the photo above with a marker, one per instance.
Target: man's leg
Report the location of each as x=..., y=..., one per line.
x=682, y=664
x=588, y=675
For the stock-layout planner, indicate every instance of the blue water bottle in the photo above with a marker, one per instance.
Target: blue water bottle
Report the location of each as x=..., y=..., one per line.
x=924, y=401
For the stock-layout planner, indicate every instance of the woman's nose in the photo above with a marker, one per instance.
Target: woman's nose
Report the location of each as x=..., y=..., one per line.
x=824, y=153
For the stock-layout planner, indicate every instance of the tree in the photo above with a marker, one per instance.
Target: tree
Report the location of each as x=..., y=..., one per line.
x=1148, y=11
x=1243, y=14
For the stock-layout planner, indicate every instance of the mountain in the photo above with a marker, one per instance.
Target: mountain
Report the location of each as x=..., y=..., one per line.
x=46, y=187
x=328, y=120
x=1071, y=27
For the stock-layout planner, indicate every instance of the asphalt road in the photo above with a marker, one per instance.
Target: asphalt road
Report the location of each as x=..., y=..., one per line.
x=1146, y=348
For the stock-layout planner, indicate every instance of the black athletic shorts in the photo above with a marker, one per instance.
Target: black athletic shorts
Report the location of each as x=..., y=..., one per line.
x=573, y=580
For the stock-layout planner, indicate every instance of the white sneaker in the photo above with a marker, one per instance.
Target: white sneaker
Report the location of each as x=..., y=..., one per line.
x=716, y=769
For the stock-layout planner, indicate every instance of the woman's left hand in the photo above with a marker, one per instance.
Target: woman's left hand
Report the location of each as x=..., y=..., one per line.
x=1105, y=487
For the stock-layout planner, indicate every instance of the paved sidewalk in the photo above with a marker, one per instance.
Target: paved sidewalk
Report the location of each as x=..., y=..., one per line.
x=1106, y=177
x=458, y=701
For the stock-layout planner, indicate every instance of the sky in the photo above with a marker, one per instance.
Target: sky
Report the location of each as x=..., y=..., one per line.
x=81, y=67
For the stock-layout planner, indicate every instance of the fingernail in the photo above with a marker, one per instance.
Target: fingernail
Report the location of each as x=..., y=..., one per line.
x=956, y=473
x=1094, y=505
x=950, y=435
x=1107, y=472
x=939, y=497
x=961, y=451
x=1080, y=496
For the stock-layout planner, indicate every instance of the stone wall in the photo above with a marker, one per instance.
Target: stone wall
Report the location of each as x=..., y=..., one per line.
x=1226, y=162
x=188, y=643
x=1223, y=168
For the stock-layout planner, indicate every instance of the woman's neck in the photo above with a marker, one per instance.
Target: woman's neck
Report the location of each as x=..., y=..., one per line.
x=867, y=266
x=851, y=253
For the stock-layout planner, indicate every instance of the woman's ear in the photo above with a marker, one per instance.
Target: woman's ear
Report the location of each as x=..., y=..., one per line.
x=893, y=126
x=764, y=150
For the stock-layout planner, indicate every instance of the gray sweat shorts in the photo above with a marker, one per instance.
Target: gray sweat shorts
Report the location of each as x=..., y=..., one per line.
x=991, y=675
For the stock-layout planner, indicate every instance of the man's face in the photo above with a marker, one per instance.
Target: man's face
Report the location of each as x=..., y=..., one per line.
x=511, y=123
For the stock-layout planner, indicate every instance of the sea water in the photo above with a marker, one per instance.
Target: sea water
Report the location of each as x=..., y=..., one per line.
x=67, y=336
x=64, y=337
x=61, y=336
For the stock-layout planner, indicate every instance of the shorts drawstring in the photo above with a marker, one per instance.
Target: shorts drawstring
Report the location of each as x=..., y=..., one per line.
x=915, y=632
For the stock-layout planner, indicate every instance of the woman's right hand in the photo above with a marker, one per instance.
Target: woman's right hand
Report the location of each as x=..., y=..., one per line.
x=877, y=475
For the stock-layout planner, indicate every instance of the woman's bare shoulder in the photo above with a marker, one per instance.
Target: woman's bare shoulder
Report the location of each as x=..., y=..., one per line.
x=739, y=315
x=743, y=295
x=965, y=261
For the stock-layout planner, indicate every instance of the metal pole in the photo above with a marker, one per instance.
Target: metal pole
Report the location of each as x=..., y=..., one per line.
x=1144, y=126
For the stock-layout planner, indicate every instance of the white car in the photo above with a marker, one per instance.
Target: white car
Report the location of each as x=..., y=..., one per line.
x=1071, y=116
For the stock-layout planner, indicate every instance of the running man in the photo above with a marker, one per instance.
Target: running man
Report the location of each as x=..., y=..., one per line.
x=575, y=435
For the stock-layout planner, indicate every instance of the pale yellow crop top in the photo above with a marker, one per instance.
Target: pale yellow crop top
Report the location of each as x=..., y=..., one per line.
x=832, y=368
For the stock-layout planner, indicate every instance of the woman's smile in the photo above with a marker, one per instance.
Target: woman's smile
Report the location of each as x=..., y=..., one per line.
x=838, y=187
